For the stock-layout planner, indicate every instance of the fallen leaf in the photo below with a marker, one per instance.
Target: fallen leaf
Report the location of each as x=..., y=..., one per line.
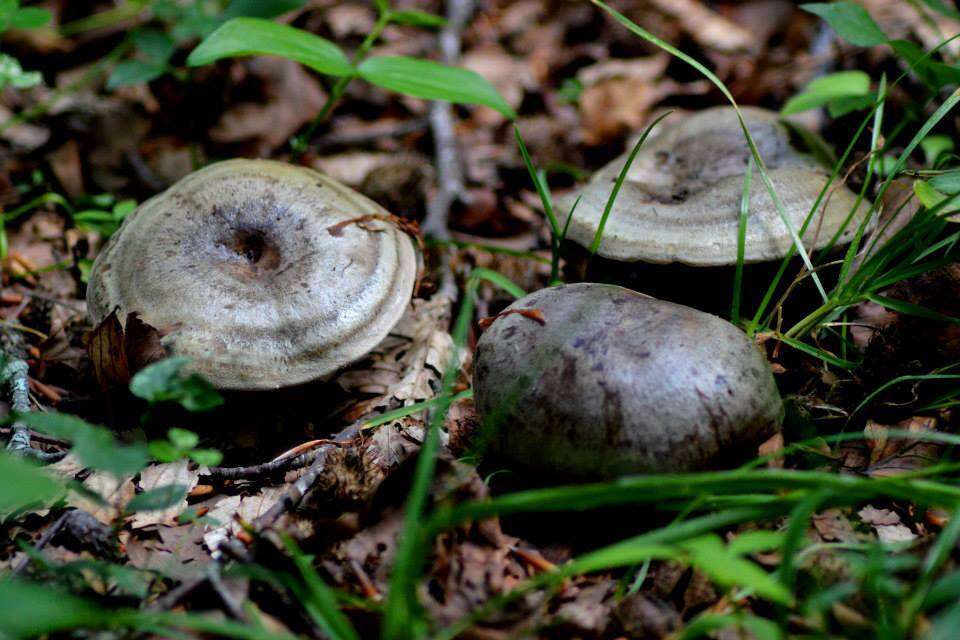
x=162, y=475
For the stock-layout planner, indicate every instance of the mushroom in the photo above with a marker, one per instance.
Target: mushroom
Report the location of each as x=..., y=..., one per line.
x=265, y=274
x=680, y=201
x=616, y=382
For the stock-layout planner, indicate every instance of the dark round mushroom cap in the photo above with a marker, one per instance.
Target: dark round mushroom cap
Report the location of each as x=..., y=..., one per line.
x=616, y=382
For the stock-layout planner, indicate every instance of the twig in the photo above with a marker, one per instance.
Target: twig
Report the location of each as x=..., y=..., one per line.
x=449, y=170
x=265, y=469
x=16, y=375
x=294, y=496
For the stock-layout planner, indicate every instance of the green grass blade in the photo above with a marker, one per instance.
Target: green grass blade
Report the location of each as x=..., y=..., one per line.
x=741, y=243
x=598, y=236
x=762, y=168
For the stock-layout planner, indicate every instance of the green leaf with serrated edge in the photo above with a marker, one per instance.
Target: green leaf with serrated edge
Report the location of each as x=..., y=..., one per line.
x=433, y=81
x=257, y=37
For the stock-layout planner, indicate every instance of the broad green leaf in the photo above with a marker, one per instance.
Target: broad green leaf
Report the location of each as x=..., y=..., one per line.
x=258, y=37
x=164, y=451
x=23, y=484
x=206, y=457
x=7, y=9
x=157, y=499
x=848, y=104
x=823, y=90
x=948, y=183
x=93, y=445
x=130, y=72
x=30, y=18
x=931, y=71
x=931, y=198
x=934, y=147
x=164, y=382
x=850, y=21
x=183, y=438
x=29, y=610
x=155, y=44
x=417, y=18
x=433, y=81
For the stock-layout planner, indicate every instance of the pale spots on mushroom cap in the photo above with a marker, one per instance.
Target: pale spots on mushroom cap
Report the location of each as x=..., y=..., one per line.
x=681, y=199
x=616, y=382
x=238, y=260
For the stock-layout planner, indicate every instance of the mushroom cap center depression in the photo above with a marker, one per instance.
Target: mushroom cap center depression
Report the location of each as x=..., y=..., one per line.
x=237, y=262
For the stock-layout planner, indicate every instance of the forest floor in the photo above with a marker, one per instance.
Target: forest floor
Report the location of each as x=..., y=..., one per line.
x=176, y=510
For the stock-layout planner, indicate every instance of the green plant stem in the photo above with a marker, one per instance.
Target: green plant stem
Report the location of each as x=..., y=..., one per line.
x=106, y=19
x=338, y=89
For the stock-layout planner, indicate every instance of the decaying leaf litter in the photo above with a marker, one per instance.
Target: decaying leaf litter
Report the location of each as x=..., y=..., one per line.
x=309, y=511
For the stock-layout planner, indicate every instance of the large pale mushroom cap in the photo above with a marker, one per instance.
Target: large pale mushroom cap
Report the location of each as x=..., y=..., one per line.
x=245, y=267
x=680, y=201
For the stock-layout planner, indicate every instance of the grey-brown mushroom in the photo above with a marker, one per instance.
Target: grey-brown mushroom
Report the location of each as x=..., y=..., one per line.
x=615, y=382
x=264, y=274
x=680, y=201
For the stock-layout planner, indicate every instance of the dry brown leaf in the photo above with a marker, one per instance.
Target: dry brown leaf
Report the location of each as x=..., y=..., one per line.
x=891, y=456
x=115, y=492
x=406, y=366
x=162, y=475
x=293, y=98
x=706, y=26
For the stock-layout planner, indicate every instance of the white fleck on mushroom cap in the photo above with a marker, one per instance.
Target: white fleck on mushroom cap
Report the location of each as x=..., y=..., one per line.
x=238, y=263
x=680, y=201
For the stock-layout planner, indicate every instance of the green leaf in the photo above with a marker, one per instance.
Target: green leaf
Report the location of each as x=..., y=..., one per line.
x=261, y=8
x=163, y=382
x=934, y=147
x=206, y=457
x=255, y=36
x=183, y=438
x=850, y=21
x=823, y=90
x=131, y=72
x=7, y=9
x=155, y=44
x=30, y=610
x=164, y=451
x=433, y=81
x=416, y=18
x=727, y=569
x=13, y=75
x=931, y=71
x=848, y=104
x=157, y=499
x=30, y=18
x=948, y=183
x=94, y=446
x=23, y=484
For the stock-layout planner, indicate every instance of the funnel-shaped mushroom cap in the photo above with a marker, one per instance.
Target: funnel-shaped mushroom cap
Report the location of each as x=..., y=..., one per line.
x=680, y=201
x=257, y=273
